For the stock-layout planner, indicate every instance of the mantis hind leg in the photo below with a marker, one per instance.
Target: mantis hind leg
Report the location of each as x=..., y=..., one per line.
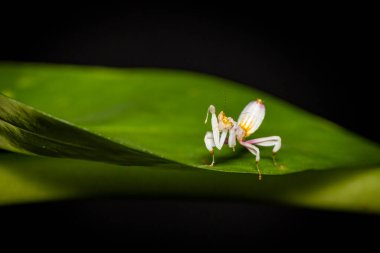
x=254, y=150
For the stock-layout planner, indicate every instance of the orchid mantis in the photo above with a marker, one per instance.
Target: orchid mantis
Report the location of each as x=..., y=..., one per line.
x=249, y=121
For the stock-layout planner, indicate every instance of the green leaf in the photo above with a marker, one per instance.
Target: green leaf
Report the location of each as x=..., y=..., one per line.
x=155, y=117
x=27, y=178
x=28, y=131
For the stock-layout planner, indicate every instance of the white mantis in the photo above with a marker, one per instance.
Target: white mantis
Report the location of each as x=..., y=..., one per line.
x=249, y=121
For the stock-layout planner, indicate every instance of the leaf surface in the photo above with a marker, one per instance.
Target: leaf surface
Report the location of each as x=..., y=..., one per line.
x=154, y=117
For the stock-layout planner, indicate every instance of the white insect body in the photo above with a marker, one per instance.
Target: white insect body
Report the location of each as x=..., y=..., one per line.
x=249, y=121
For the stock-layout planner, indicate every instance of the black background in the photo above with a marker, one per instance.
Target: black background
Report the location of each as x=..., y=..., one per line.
x=318, y=59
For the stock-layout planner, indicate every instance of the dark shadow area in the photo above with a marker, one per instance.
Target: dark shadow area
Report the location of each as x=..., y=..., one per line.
x=156, y=222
